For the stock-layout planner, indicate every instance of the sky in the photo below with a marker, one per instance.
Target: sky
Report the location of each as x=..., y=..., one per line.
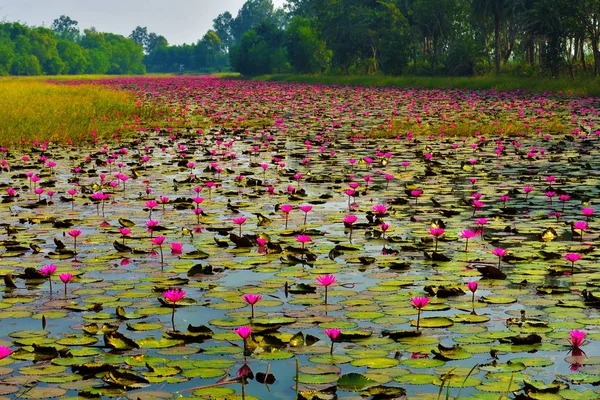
x=180, y=21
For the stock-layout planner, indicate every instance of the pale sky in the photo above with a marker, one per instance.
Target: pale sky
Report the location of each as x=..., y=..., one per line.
x=180, y=21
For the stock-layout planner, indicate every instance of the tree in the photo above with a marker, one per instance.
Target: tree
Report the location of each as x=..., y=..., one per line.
x=73, y=55
x=251, y=13
x=140, y=36
x=496, y=9
x=260, y=51
x=155, y=41
x=66, y=28
x=222, y=27
x=26, y=65
x=307, y=53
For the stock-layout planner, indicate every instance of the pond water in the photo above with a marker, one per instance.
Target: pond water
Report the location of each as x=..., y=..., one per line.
x=511, y=337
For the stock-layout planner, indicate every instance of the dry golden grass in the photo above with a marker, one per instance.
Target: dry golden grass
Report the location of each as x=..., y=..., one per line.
x=33, y=110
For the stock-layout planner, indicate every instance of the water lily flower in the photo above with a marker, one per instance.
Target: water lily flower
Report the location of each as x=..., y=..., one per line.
x=572, y=258
x=305, y=208
x=159, y=240
x=472, y=286
x=468, y=234
x=499, y=252
x=436, y=232
x=303, y=239
x=416, y=193
x=74, y=233
x=384, y=227
x=326, y=280
x=239, y=221
x=66, y=278
x=5, y=352
x=286, y=209
x=48, y=271
x=176, y=248
x=379, y=209
x=581, y=226
x=173, y=296
x=252, y=299
x=419, y=303
x=333, y=334
x=576, y=338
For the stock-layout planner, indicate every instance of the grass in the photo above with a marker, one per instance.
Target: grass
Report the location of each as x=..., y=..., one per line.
x=579, y=86
x=33, y=110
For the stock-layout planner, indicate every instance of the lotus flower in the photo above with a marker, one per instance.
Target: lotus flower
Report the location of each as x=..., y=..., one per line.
x=468, y=234
x=472, y=286
x=379, y=209
x=239, y=221
x=303, y=239
x=244, y=332
x=436, y=233
x=48, y=271
x=5, y=352
x=74, y=233
x=159, y=240
x=66, y=278
x=576, y=338
x=326, y=280
x=173, y=296
x=252, y=299
x=333, y=334
x=581, y=226
x=305, y=209
x=286, y=209
x=499, y=253
x=419, y=303
x=572, y=258
x=349, y=220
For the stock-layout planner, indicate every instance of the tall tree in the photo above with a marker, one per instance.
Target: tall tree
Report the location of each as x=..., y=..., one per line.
x=222, y=27
x=66, y=28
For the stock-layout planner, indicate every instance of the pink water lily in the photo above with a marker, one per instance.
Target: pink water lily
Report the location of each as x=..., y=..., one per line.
x=572, y=258
x=173, y=296
x=176, y=248
x=419, y=303
x=66, y=278
x=468, y=234
x=333, y=334
x=499, y=252
x=580, y=226
x=303, y=239
x=349, y=220
x=159, y=240
x=472, y=286
x=305, y=209
x=436, y=233
x=239, y=221
x=252, y=299
x=286, y=209
x=326, y=280
x=75, y=233
x=576, y=338
x=5, y=352
x=48, y=271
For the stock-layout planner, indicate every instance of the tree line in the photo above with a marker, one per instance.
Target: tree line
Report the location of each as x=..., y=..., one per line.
x=418, y=37
x=421, y=37
x=63, y=49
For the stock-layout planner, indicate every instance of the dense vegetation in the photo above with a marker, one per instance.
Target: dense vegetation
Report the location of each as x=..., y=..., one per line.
x=425, y=37
x=528, y=38
x=63, y=49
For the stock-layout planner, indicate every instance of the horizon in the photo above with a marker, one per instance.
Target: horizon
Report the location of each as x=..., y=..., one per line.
x=120, y=16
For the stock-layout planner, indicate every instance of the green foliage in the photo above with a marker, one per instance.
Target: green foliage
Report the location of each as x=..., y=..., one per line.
x=63, y=50
x=260, y=51
x=306, y=50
